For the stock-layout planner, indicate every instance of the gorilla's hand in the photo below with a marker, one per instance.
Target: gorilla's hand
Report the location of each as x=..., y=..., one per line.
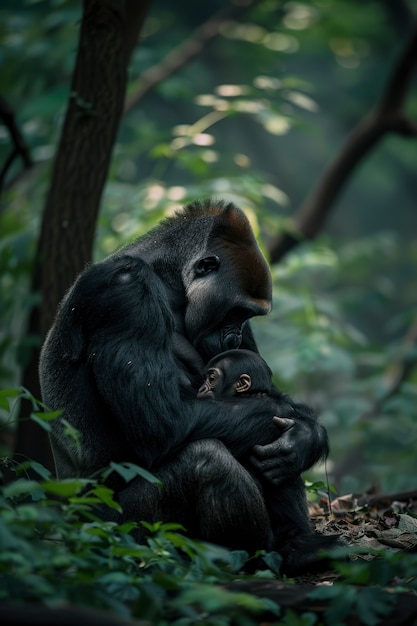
x=284, y=423
x=301, y=445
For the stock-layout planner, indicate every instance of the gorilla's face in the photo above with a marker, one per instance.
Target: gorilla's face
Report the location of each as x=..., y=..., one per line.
x=225, y=288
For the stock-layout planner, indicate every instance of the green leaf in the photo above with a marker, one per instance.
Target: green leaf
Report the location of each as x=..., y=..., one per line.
x=10, y=393
x=293, y=619
x=23, y=487
x=166, y=581
x=5, y=394
x=325, y=593
x=41, y=422
x=238, y=559
x=67, y=487
x=274, y=561
x=42, y=471
x=214, y=599
x=129, y=471
x=143, y=553
x=84, y=499
x=167, y=526
x=105, y=495
x=341, y=606
x=8, y=541
x=126, y=527
x=119, y=584
x=47, y=416
x=319, y=486
x=372, y=603
x=342, y=600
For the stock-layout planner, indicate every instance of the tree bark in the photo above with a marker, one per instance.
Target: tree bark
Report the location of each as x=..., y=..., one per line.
x=109, y=31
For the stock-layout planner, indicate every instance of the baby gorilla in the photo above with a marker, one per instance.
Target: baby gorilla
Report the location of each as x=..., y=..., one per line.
x=242, y=374
x=234, y=372
x=239, y=372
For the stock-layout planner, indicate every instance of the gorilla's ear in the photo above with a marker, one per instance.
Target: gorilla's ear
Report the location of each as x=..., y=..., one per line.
x=71, y=330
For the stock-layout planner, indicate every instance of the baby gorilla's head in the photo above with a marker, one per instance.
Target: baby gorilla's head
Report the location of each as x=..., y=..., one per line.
x=235, y=372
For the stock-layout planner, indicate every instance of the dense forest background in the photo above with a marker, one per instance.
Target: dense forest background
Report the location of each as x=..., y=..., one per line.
x=249, y=102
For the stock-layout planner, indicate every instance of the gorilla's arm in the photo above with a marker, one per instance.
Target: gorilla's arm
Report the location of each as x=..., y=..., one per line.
x=191, y=362
x=159, y=414
x=298, y=449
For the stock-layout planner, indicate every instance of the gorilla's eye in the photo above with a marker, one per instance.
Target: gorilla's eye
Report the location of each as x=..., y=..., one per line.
x=207, y=265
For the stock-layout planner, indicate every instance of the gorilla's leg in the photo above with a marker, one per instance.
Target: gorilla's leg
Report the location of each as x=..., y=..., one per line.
x=294, y=536
x=209, y=493
x=231, y=506
x=287, y=506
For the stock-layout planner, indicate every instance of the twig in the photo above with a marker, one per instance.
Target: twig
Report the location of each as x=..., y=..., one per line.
x=185, y=52
x=388, y=116
x=19, y=146
x=397, y=373
x=383, y=498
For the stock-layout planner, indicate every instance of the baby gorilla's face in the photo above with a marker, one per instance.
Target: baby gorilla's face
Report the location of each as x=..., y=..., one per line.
x=224, y=380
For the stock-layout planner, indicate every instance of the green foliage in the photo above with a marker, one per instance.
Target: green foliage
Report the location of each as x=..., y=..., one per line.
x=129, y=471
x=319, y=487
x=367, y=588
x=326, y=343
x=56, y=549
x=370, y=604
x=9, y=407
x=292, y=619
x=16, y=245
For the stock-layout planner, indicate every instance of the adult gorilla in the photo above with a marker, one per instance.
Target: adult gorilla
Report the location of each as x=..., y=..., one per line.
x=124, y=360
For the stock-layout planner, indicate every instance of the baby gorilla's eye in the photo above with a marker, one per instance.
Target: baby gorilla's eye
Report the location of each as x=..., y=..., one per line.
x=212, y=376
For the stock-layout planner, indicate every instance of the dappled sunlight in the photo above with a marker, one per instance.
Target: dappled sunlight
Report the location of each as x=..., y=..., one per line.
x=232, y=90
x=281, y=42
x=299, y=16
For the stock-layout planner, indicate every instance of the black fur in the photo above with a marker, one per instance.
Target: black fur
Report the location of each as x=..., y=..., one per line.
x=124, y=360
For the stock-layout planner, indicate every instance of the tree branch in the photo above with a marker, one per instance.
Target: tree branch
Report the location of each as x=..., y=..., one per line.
x=397, y=373
x=393, y=99
x=19, y=146
x=388, y=116
x=185, y=52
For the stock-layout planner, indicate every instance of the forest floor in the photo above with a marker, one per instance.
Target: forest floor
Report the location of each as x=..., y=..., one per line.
x=369, y=522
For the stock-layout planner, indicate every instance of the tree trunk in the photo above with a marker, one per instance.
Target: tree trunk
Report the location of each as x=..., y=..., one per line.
x=109, y=31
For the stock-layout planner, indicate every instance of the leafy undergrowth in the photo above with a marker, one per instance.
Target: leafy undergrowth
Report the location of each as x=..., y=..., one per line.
x=61, y=563
x=56, y=551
